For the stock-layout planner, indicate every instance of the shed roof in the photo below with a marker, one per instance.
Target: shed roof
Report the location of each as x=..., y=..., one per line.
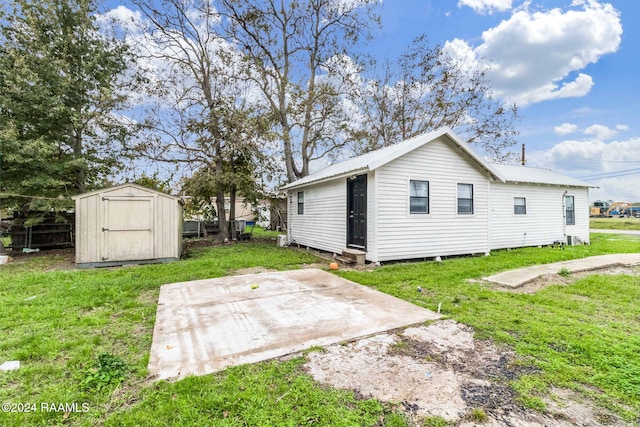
x=127, y=184
x=374, y=159
x=538, y=176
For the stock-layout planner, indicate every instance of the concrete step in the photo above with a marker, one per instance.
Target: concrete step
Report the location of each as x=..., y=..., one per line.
x=344, y=260
x=355, y=254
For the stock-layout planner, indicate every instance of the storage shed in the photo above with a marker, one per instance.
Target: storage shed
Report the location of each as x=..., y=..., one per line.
x=127, y=224
x=430, y=196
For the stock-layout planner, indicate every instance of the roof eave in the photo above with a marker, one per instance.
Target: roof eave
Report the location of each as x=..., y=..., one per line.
x=294, y=185
x=126, y=184
x=585, y=185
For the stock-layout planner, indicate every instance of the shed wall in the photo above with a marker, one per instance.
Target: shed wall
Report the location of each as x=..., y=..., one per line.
x=168, y=223
x=88, y=233
x=403, y=235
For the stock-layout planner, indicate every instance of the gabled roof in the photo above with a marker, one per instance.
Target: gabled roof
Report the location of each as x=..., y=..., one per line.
x=538, y=176
x=375, y=159
x=127, y=184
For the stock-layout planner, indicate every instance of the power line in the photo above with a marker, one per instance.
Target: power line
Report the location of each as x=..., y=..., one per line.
x=586, y=160
x=612, y=174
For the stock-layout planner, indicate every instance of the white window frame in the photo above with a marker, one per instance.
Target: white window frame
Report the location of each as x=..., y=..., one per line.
x=515, y=206
x=300, y=203
x=409, y=181
x=473, y=210
x=573, y=210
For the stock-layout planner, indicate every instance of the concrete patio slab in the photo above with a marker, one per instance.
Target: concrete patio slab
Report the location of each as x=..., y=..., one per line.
x=519, y=277
x=205, y=326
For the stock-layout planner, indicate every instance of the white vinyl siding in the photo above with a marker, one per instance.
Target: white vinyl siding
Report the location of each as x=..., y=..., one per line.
x=544, y=222
x=581, y=214
x=442, y=232
x=323, y=224
x=372, y=217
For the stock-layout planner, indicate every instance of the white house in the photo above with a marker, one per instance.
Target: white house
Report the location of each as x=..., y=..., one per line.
x=432, y=195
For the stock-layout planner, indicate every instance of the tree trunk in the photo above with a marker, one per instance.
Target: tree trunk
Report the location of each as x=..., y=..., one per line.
x=223, y=226
x=80, y=177
x=2, y=252
x=232, y=211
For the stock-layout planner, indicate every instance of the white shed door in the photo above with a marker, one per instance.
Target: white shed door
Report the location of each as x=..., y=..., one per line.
x=128, y=229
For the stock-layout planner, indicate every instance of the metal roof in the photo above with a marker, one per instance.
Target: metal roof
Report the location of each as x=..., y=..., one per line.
x=530, y=175
x=374, y=159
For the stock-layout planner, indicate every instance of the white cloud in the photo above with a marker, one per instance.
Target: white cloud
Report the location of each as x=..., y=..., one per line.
x=486, y=6
x=622, y=127
x=121, y=18
x=620, y=189
x=600, y=132
x=537, y=56
x=596, y=162
x=565, y=129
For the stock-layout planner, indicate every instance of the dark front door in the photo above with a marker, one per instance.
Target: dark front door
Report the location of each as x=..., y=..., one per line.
x=357, y=212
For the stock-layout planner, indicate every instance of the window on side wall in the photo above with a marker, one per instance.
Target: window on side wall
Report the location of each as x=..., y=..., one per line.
x=418, y=197
x=465, y=199
x=519, y=205
x=300, y=202
x=570, y=211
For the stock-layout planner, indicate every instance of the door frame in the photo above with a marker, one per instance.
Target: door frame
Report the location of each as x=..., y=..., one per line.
x=350, y=184
x=105, y=227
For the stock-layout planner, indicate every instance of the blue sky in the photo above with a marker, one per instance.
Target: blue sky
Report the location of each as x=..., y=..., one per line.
x=593, y=131
x=570, y=65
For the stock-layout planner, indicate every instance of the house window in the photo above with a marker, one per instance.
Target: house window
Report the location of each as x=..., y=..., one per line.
x=465, y=198
x=418, y=196
x=519, y=205
x=570, y=211
x=300, y=202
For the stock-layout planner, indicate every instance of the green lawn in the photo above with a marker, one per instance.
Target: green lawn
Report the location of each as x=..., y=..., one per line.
x=615, y=223
x=60, y=323
x=261, y=233
x=585, y=336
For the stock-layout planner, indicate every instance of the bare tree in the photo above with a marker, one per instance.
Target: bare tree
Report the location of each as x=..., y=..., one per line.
x=200, y=117
x=425, y=89
x=288, y=46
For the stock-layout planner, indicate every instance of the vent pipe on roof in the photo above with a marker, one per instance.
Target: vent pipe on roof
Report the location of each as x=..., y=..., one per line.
x=523, y=161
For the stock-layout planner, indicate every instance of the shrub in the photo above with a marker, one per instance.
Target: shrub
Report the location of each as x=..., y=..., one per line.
x=107, y=369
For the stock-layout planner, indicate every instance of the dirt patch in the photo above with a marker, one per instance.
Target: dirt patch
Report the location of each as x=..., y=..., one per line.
x=52, y=259
x=252, y=270
x=570, y=406
x=556, y=279
x=148, y=297
x=258, y=270
x=441, y=370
